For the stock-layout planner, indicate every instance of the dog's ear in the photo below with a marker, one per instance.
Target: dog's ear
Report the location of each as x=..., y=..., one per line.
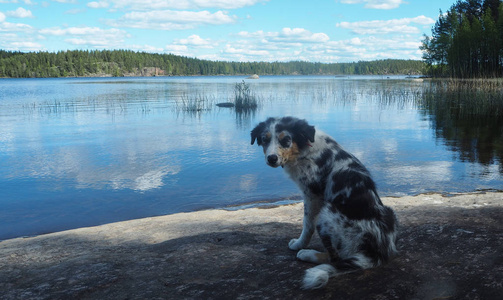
x=256, y=132
x=305, y=131
x=309, y=132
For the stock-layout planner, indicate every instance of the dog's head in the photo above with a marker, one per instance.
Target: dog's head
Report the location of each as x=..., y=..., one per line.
x=282, y=139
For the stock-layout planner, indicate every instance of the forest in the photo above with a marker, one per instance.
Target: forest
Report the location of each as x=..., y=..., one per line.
x=77, y=63
x=466, y=41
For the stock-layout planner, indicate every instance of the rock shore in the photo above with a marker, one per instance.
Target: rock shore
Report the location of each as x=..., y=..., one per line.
x=450, y=248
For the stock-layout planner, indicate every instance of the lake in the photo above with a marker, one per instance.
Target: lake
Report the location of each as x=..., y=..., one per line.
x=78, y=152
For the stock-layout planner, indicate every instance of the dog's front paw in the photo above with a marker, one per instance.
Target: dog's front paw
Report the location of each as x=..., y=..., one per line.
x=295, y=244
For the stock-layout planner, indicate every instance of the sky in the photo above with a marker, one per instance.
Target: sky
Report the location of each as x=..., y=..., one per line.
x=325, y=31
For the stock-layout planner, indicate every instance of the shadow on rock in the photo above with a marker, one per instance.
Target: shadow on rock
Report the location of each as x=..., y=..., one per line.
x=445, y=253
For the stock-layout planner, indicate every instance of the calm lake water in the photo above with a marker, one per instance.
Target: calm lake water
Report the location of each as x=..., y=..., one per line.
x=89, y=151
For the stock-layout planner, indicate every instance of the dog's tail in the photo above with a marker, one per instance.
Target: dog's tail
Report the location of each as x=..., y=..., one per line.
x=317, y=277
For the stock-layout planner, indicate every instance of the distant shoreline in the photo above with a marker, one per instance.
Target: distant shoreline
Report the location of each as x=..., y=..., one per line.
x=406, y=76
x=118, y=63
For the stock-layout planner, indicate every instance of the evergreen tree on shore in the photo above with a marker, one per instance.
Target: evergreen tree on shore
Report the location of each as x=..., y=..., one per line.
x=467, y=41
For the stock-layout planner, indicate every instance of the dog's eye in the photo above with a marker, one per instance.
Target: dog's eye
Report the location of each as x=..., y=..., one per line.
x=285, y=142
x=266, y=139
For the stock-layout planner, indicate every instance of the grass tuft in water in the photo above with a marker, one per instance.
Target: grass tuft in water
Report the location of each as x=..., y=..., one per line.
x=466, y=99
x=196, y=104
x=244, y=99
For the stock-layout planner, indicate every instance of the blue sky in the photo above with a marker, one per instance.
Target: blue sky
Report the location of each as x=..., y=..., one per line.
x=229, y=30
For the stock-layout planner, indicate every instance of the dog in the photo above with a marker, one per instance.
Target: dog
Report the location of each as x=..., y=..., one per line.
x=340, y=200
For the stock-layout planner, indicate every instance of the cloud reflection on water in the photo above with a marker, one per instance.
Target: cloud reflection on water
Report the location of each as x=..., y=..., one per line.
x=122, y=150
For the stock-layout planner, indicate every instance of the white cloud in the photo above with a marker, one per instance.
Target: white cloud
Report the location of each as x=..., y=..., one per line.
x=287, y=35
x=301, y=44
x=81, y=31
x=98, y=4
x=145, y=48
x=422, y=20
x=284, y=45
x=388, y=26
x=14, y=27
x=27, y=2
x=15, y=42
x=2, y=17
x=195, y=41
x=172, y=20
x=300, y=35
x=91, y=36
x=257, y=34
x=183, y=4
x=365, y=48
x=231, y=50
x=209, y=57
x=20, y=13
x=355, y=41
x=65, y=1
x=177, y=50
x=27, y=46
x=376, y=4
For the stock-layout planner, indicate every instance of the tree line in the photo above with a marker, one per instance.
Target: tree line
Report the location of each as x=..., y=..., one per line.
x=73, y=63
x=466, y=41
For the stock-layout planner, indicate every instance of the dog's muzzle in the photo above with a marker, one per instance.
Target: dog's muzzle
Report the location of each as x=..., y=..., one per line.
x=273, y=160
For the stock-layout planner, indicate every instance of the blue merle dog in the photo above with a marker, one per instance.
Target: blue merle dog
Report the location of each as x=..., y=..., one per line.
x=340, y=200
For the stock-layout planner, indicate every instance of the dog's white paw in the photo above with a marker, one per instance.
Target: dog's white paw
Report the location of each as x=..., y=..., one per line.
x=307, y=255
x=313, y=256
x=295, y=244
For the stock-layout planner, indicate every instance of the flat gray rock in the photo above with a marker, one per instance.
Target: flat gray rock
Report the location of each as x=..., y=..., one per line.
x=450, y=248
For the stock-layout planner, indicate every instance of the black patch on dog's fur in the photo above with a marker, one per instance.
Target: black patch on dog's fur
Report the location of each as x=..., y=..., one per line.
x=370, y=247
x=330, y=141
x=258, y=130
x=358, y=206
x=327, y=243
x=348, y=264
x=342, y=155
x=351, y=178
x=321, y=162
x=388, y=219
x=317, y=187
x=303, y=133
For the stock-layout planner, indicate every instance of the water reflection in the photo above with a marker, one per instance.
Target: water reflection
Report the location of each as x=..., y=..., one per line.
x=468, y=119
x=244, y=120
x=81, y=152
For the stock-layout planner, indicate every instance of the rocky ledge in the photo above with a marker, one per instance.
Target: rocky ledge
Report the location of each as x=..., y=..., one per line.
x=450, y=248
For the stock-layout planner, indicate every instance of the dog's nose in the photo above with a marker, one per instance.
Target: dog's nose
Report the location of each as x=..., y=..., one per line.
x=272, y=159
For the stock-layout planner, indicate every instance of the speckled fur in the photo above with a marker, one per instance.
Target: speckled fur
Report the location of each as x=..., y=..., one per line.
x=340, y=200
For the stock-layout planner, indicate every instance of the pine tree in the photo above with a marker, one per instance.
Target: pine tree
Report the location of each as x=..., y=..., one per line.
x=467, y=41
